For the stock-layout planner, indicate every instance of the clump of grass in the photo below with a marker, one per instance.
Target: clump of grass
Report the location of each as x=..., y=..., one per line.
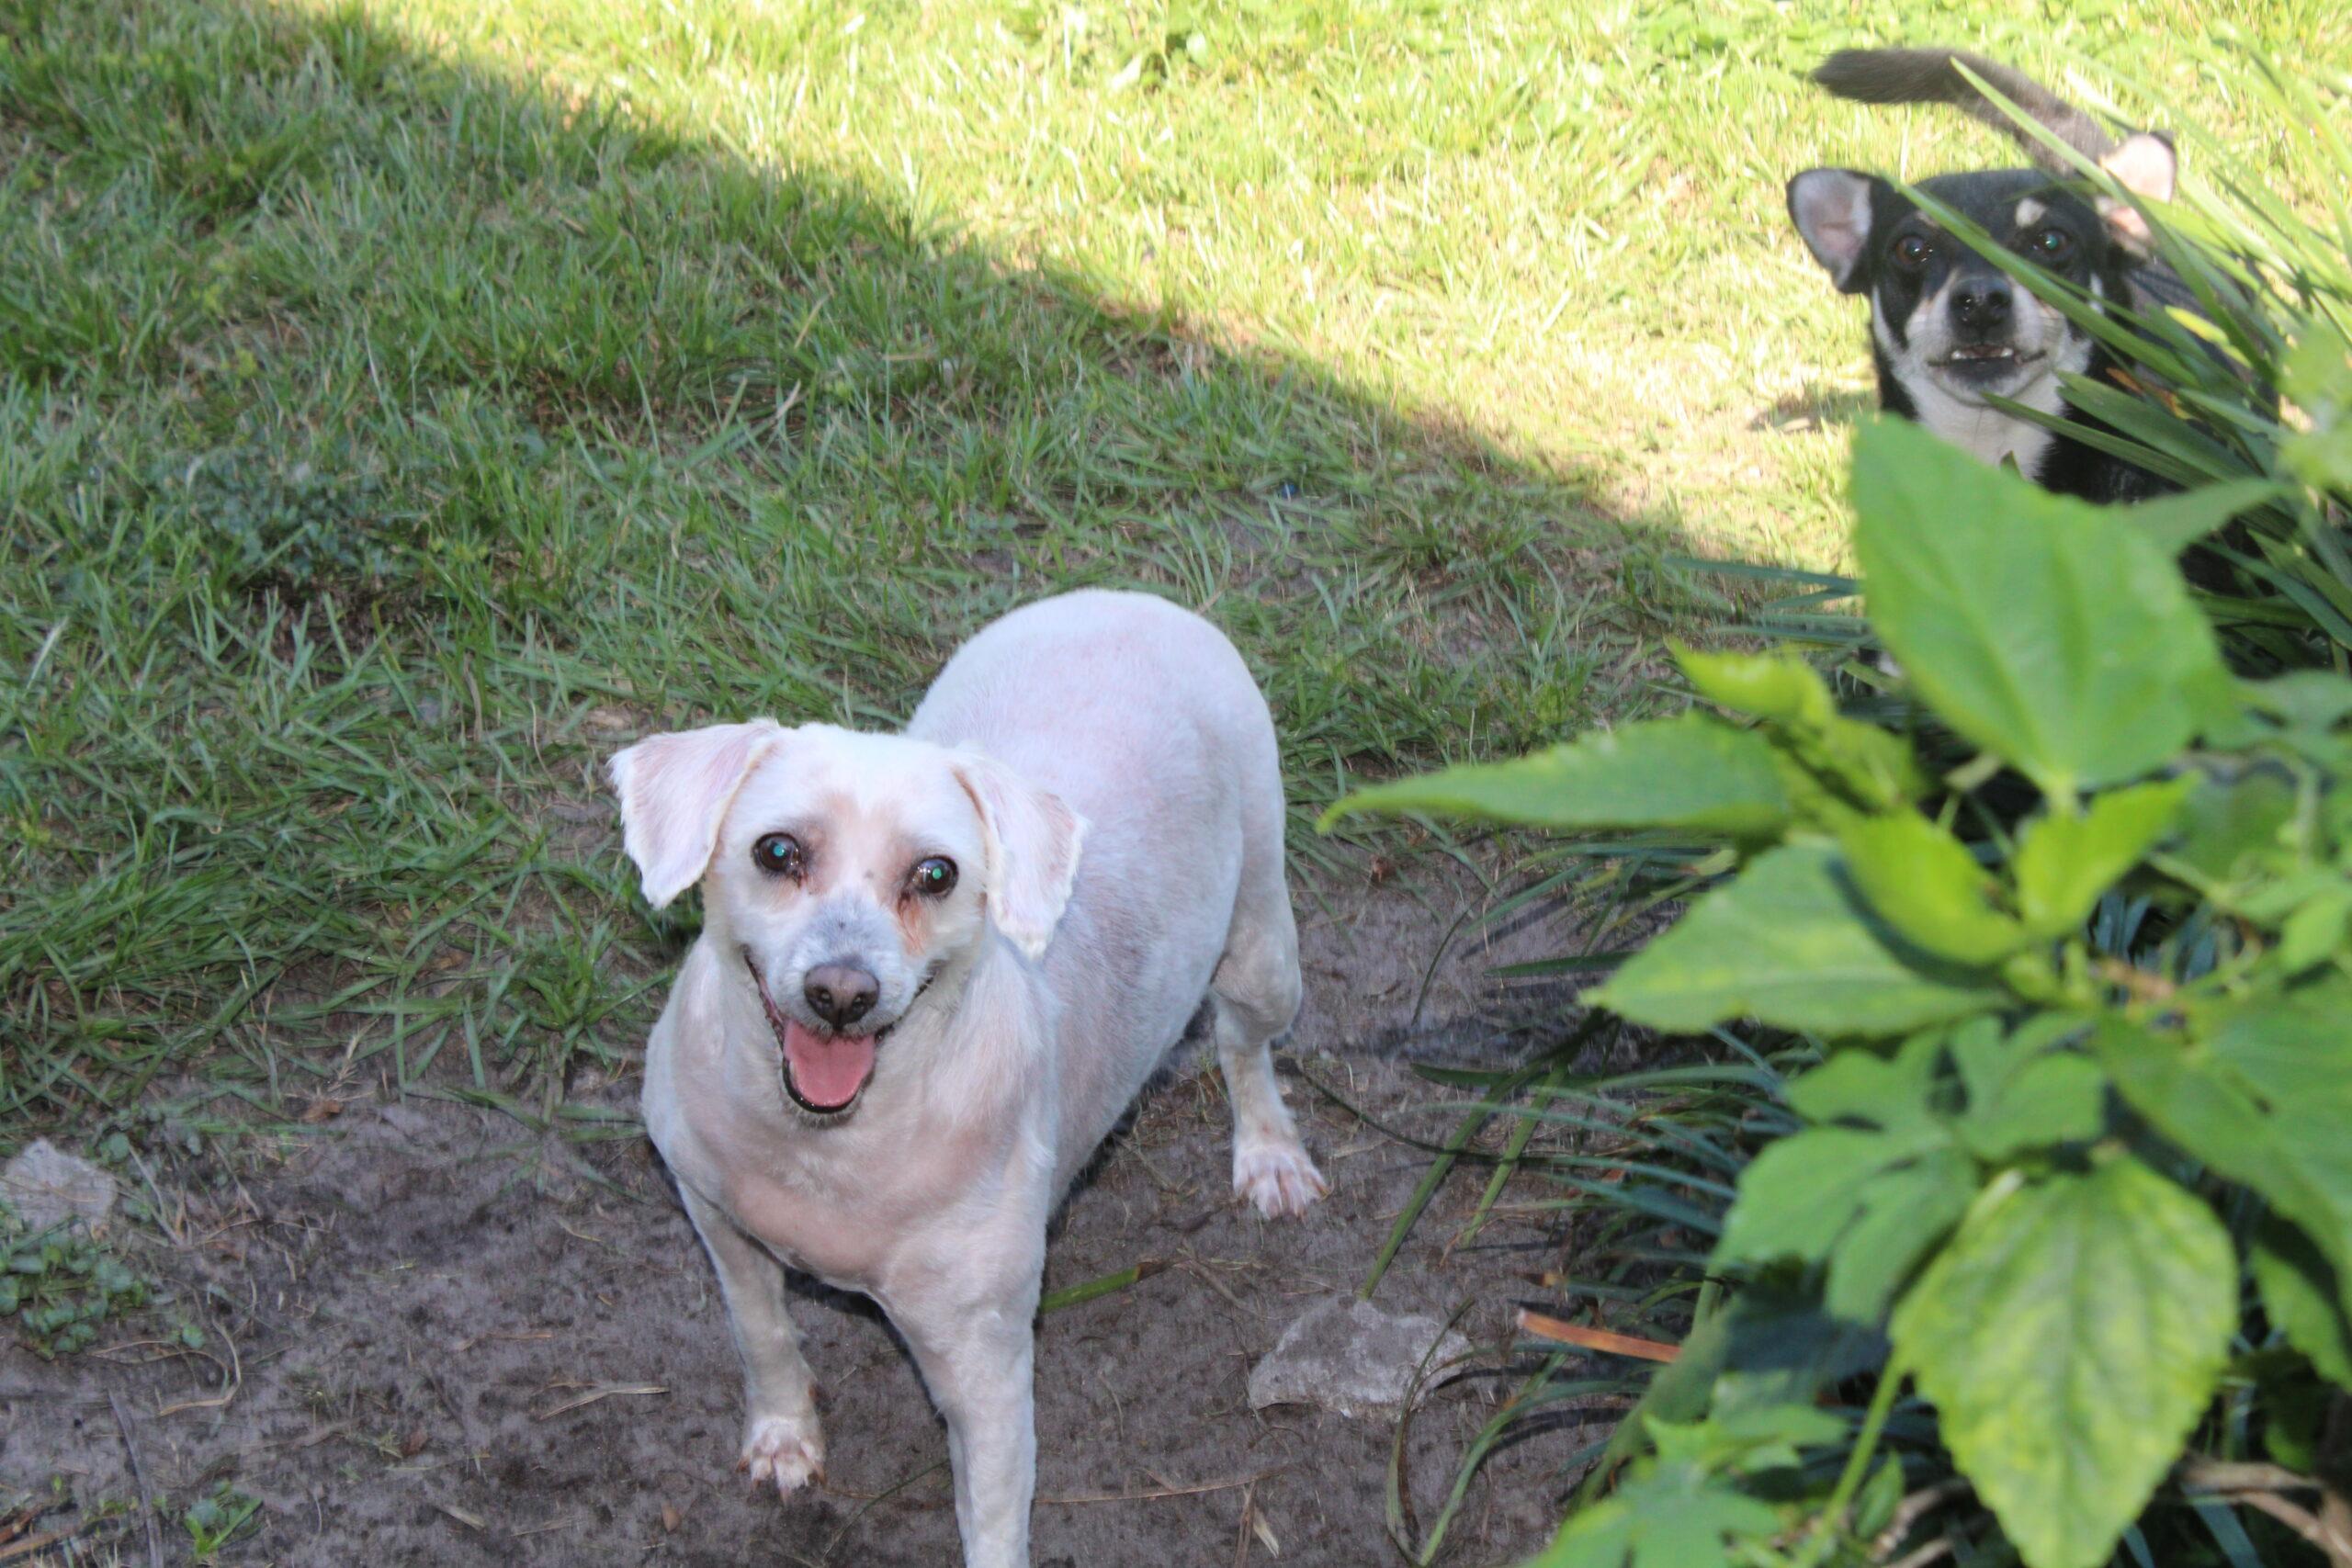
x=400, y=407
x=403, y=433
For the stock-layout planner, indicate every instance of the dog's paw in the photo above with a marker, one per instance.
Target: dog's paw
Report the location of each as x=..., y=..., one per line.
x=1277, y=1177
x=787, y=1449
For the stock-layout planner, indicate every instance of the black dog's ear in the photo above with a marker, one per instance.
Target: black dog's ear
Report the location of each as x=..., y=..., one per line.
x=2145, y=164
x=1832, y=210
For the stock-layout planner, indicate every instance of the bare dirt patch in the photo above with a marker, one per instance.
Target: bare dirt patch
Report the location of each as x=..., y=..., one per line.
x=433, y=1337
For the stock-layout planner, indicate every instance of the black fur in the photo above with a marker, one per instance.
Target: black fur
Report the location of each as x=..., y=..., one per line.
x=1933, y=76
x=1987, y=335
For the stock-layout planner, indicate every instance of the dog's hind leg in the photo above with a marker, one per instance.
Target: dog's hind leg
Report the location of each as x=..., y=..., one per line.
x=1253, y=997
x=782, y=1439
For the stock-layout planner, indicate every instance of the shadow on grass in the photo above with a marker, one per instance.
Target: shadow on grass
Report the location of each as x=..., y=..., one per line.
x=1817, y=404
x=386, y=441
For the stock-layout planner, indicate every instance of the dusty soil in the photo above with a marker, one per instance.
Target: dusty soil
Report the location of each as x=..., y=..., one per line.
x=433, y=1337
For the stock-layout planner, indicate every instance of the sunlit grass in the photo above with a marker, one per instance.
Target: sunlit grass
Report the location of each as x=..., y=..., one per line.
x=401, y=404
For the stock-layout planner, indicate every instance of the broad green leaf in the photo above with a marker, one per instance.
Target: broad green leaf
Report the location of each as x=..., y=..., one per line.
x=1925, y=884
x=2273, y=899
x=1859, y=761
x=1692, y=771
x=2070, y=1335
x=1777, y=686
x=1865, y=1200
x=1988, y=1057
x=1784, y=1348
x=2302, y=699
x=2319, y=378
x=1786, y=943
x=2065, y=863
x=2177, y=522
x=1803, y=1191
x=1898, y=1224
x=2314, y=933
x=1750, y=1438
x=1891, y=1093
x=2306, y=1304
x=1881, y=1496
x=1666, y=1515
x=2050, y=632
x=2233, y=829
x=1860, y=1204
x=1680, y=1391
x=1874, y=766
x=2295, y=1052
x=2265, y=1103
x=2052, y=1100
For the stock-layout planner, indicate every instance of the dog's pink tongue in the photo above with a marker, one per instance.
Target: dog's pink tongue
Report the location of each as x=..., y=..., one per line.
x=827, y=1071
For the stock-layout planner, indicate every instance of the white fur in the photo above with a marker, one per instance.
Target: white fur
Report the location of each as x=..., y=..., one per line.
x=1025, y=1010
x=1957, y=412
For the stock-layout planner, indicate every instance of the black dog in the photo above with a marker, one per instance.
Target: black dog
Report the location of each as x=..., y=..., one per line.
x=1948, y=327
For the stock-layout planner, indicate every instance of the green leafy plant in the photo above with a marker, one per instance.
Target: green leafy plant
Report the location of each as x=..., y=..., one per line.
x=60, y=1286
x=2095, y=1194
x=211, y=1521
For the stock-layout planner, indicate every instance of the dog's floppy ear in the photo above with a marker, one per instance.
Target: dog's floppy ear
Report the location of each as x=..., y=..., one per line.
x=676, y=790
x=1033, y=840
x=1832, y=210
x=2145, y=164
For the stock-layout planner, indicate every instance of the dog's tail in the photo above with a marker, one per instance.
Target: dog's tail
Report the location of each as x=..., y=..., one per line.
x=1932, y=76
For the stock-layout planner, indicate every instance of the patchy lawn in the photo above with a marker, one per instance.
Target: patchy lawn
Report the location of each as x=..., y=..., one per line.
x=404, y=403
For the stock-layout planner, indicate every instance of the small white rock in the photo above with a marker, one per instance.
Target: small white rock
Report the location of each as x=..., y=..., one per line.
x=1349, y=1356
x=47, y=1187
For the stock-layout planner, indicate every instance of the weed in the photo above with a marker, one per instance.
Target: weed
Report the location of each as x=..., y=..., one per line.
x=212, y=1521
x=62, y=1286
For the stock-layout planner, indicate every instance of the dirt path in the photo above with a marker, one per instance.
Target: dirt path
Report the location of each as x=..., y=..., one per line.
x=435, y=1338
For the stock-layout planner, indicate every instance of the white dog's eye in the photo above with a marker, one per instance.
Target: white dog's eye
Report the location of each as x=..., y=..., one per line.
x=934, y=878
x=780, y=854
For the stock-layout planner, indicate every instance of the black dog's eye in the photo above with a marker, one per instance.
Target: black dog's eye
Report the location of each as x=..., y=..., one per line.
x=934, y=878
x=2050, y=244
x=1911, y=250
x=780, y=854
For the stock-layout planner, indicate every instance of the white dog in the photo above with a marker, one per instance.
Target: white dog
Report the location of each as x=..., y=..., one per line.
x=934, y=969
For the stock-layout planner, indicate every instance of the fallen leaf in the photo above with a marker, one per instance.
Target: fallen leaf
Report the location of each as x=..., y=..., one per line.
x=604, y=1391
x=1265, y=1532
x=1561, y=1332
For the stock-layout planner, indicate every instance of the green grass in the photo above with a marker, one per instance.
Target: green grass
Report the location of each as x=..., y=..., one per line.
x=400, y=409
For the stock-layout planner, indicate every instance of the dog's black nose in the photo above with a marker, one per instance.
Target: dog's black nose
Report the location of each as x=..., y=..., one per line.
x=840, y=993
x=1982, y=304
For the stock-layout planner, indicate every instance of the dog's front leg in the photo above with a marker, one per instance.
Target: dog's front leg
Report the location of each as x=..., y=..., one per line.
x=782, y=1440
x=976, y=1343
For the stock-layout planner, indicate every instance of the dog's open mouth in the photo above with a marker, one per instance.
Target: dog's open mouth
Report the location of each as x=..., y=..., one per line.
x=1978, y=357
x=824, y=1074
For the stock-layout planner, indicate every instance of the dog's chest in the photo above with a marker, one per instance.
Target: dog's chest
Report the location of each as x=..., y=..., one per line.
x=839, y=1241
x=1985, y=434
x=844, y=1216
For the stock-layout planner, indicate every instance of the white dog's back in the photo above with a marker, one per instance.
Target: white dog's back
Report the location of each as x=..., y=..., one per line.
x=1142, y=716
